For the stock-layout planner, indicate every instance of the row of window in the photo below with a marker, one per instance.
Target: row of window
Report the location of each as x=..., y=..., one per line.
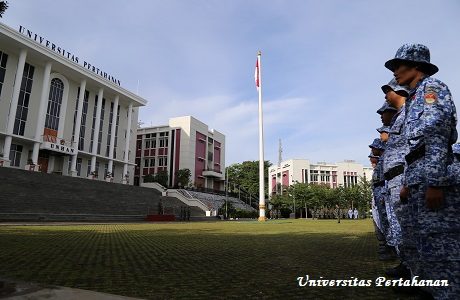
x=150, y=162
x=54, y=107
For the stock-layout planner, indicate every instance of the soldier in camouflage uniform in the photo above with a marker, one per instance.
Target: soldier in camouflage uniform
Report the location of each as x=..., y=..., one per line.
x=430, y=130
x=393, y=168
x=453, y=170
x=375, y=213
x=378, y=188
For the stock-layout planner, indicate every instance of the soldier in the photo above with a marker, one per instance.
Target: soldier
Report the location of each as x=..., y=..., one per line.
x=378, y=185
x=393, y=168
x=453, y=170
x=430, y=130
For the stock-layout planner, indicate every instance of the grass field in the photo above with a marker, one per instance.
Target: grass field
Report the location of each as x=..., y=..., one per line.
x=197, y=260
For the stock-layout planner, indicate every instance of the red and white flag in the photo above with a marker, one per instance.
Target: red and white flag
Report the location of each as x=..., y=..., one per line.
x=257, y=74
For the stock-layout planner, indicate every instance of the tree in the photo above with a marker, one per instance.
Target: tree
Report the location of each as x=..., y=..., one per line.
x=183, y=177
x=246, y=175
x=3, y=7
x=162, y=178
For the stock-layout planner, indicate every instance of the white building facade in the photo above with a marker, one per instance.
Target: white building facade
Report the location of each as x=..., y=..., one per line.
x=185, y=143
x=346, y=173
x=59, y=114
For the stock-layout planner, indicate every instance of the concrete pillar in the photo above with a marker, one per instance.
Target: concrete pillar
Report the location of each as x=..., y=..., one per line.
x=81, y=98
x=112, y=137
x=14, y=104
x=42, y=112
x=96, y=129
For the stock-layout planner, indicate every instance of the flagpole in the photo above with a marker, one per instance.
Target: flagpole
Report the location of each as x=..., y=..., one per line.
x=262, y=217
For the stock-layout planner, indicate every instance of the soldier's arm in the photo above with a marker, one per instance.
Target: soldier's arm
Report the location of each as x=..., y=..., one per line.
x=453, y=173
x=438, y=110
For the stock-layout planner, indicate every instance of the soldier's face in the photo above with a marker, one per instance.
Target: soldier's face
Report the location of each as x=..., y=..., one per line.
x=384, y=136
x=374, y=161
x=376, y=151
x=404, y=74
x=387, y=116
x=391, y=98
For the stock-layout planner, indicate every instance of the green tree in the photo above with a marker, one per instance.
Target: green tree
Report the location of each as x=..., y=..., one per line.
x=246, y=175
x=162, y=178
x=183, y=177
x=3, y=7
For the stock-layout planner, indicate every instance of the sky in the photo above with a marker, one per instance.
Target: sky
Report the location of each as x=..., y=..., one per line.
x=322, y=62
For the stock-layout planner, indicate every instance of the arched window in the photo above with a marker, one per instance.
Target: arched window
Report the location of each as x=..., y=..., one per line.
x=54, y=104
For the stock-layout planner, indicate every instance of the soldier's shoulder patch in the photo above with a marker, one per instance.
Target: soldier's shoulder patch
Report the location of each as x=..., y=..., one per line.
x=430, y=97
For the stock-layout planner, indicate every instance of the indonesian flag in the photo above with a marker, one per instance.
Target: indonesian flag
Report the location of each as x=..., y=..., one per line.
x=257, y=74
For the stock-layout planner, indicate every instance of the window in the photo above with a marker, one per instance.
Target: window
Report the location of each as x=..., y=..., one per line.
x=163, y=142
x=3, y=60
x=147, y=144
x=81, y=140
x=94, y=124
x=162, y=161
x=116, y=133
x=146, y=163
x=152, y=162
x=23, y=102
x=109, y=136
x=97, y=169
x=88, y=169
x=101, y=124
x=313, y=175
x=15, y=155
x=54, y=104
x=79, y=162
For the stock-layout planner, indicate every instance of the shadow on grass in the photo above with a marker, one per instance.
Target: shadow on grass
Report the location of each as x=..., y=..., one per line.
x=156, y=262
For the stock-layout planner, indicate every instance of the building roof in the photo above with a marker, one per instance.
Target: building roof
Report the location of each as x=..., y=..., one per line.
x=14, y=41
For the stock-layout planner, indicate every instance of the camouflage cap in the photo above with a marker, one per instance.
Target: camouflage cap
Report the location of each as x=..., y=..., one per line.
x=384, y=129
x=372, y=156
x=456, y=148
x=377, y=144
x=416, y=53
x=386, y=106
x=394, y=86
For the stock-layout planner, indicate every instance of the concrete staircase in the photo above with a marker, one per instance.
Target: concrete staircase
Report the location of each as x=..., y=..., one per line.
x=34, y=196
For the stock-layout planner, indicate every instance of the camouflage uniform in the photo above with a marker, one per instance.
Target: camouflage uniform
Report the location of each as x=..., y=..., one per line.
x=378, y=189
x=453, y=170
x=430, y=129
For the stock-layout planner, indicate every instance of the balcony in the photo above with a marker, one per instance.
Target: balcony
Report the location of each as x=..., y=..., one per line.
x=213, y=173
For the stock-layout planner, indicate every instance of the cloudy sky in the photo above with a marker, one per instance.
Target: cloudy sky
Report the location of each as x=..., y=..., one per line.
x=322, y=62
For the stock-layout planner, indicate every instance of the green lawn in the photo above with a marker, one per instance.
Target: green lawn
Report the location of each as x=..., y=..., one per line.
x=197, y=260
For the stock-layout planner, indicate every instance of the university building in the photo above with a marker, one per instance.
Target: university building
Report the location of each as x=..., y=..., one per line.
x=346, y=173
x=61, y=114
x=185, y=143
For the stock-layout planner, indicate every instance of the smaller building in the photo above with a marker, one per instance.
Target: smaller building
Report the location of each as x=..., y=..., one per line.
x=346, y=173
x=185, y=143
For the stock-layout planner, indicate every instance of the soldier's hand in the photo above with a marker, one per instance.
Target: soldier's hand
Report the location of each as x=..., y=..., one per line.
x=404, y=194
x=434, y=197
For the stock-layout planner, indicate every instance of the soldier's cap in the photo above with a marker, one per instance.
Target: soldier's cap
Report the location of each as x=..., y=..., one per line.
x=413, y=53
x=377, y=144
x=372, y=156
x=394, y=86
x=383, y=129
x=386, y=106
x=456, y=148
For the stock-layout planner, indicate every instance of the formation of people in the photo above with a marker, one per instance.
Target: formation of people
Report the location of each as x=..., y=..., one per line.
x=416, y=178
